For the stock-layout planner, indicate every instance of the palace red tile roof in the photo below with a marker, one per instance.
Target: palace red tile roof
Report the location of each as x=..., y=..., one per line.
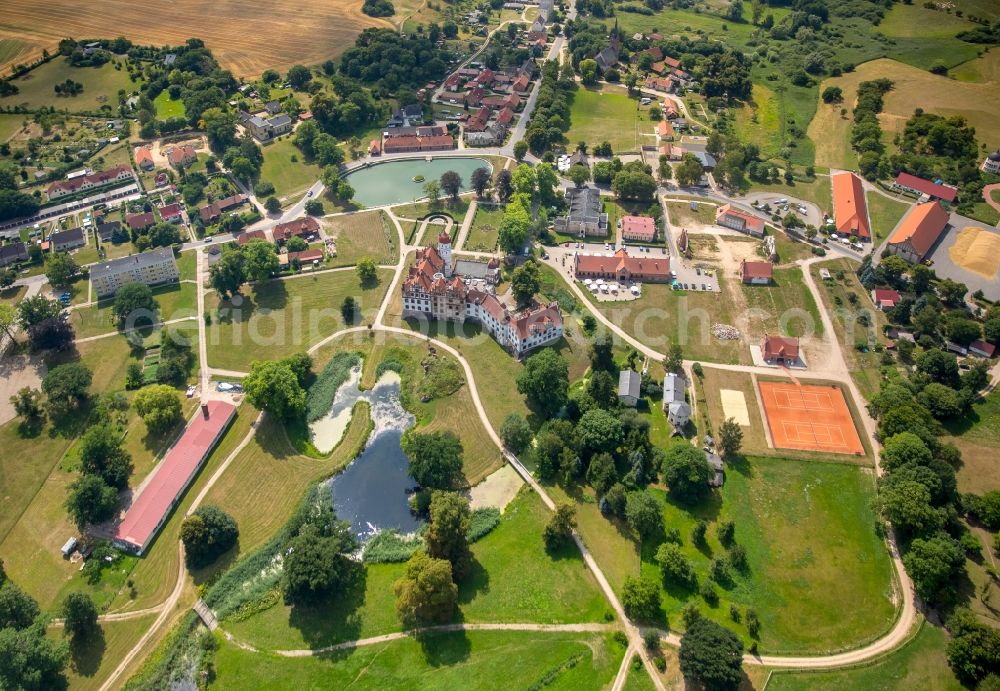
x=621, y=262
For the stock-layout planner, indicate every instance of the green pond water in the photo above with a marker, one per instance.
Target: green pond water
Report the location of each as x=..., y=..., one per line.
x=392, y=182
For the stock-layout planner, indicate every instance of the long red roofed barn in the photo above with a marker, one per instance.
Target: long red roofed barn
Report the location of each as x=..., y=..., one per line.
x=151, y=508
x=918, y=230
x=850, y=209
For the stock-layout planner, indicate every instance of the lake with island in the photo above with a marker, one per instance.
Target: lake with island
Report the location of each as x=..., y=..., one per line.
x=372, y=493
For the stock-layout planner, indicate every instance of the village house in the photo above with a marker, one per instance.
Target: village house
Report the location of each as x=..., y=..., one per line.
x=586, y=216
x=81, y=183
x=309, y=256
x=665, y=131
x=637, y=228
x=493, y=135
x=885, y=299
x=780, y=350
x=212, y=212
x=622, y=267
x=918, y=231
x=675, y=403
x=928, y=191
x=756, y=273
x=981, y=348
x=629, y=388
x=65, y=240
x=436, y=289
x=477, y=123
x=246, y=236
x=850, y=209
x=13, y=252
x=141, y=221
x=264, y=130
x=272, y=107
x=171, y=213
x=737, y=219
x=183, y=155
x=305, y=228
x=151, y=268
x=106, y=232
x=144, y=158
x=407, y=116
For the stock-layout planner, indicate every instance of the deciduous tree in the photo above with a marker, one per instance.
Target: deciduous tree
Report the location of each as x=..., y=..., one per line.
x=273, y=386
x=446, y=535
x=208, y=533
x=435, y=458
x=426, y=593
x=712, y=655
x=159, y=406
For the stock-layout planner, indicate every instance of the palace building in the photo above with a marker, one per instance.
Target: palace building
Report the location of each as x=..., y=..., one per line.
x=440, y=289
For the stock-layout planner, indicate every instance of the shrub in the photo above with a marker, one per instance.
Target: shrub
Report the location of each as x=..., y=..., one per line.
x=481, y=522
x=388, y=546
x=319, y=398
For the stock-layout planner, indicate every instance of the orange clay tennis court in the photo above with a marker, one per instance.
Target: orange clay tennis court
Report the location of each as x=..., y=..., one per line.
x=810, y=418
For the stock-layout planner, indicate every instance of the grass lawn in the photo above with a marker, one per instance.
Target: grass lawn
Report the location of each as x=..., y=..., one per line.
x=455, y=209
x=609, y=114
x=711, y=413
x=368, y=234
x=91, y=663
x=865, y=366
x=913, y=88
x=800, y=522
x=176, y=301
x=682, y=215
x=167, y=107
x=921, y=663
x=787, y=304
x=764, y=121
x=280, y=317
x=12, y=295
x=9, y=124
x=985, y=68
x=638, y=678
x=451, y=412
x=265, y=483
x=544, y=588
x=100, y=86
x=485, y=229
x=187, y=265
x=288, y=176
x=977, y=436
x=884, y=213
x=661, y=311
x=468, y=660
x=155, y=573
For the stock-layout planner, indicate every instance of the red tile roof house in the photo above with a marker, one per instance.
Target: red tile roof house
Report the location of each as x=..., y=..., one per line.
x=303, y=257
x=982, y=349
x=477, y=123
x=638, y=228
x=302, y=227
x=154, y=503
x=737, y=219
x=885, y=299
x=779, y=349
x=211, y=212
x=171, y=213
x=756, y=273
x=244, y=238
x=918, y=231
x=140, y=221
x=622, y=267
x=665, y=131
x=180, y=156
x=505, y=117
x=86, y=182
x=144, y=158
x=521, y=84
x=925, y=187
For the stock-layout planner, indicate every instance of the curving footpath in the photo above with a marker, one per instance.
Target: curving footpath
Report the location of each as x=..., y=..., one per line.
x=898, y=635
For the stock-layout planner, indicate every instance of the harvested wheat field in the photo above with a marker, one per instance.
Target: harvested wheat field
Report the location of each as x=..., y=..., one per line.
x=246, y=37
x=977, y=250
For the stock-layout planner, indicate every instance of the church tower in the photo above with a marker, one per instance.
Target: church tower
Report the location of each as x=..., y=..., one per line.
x=444, y=249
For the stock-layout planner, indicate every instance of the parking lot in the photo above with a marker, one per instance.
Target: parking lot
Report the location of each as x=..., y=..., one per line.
x=689, y=277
